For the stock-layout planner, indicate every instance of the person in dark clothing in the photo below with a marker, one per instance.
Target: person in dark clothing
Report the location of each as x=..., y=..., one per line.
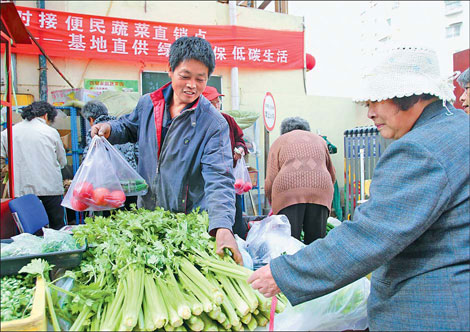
x=239, y=149
x=97, y=112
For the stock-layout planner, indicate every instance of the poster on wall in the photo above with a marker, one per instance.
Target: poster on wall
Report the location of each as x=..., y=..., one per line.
x=101, y=85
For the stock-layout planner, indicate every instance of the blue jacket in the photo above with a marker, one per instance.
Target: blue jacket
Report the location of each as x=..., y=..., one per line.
x=194, y=167
x=413, y=233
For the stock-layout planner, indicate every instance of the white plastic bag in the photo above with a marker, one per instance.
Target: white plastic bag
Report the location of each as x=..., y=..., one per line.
x=247, y=261
x=270, y=238
x=103, y=180
x=344, y=309
x=242, y=177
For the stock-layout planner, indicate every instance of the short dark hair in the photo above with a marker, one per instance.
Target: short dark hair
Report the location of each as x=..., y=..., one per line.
x=187, y=48
x=294, y=123
x=405, y=103
x=39, y=108
x=93, y=109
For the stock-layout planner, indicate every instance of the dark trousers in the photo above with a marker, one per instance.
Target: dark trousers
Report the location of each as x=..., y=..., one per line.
x=311, y=218
x=240, y=228
x=55, y=211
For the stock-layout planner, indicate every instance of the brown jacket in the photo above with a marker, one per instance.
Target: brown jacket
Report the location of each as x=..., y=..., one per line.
x=299, y=170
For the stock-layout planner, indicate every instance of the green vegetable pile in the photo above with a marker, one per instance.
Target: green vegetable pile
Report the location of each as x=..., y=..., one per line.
x=147, y=270
x=16, y=297
x=329, y=227
x=29, y=244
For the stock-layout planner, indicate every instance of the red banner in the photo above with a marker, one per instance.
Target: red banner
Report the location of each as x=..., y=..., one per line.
x=86, y=36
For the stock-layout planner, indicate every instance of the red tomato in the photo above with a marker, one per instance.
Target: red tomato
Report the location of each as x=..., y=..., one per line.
x=247, y=186
x=77, y=205
x=99, y=196
x=239, y=183
x=83, y=190
x=116, y=198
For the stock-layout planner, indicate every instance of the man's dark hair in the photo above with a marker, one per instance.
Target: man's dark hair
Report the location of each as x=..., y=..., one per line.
x=187, y=48
x=39, y=108
x=405, y=103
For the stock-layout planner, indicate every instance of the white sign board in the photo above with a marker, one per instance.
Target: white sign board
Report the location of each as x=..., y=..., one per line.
x=269, y=111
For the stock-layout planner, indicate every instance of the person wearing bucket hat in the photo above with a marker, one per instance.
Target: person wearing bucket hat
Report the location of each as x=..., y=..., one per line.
x=239, y=149
x=413, y=232
x=464, y=82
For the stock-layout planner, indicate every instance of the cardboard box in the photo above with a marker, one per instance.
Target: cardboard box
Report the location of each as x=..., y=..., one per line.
x=60, y=97
x=253, y=175
x=66, y=137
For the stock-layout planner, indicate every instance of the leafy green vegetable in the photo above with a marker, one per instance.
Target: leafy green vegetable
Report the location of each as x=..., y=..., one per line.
x=16, y=297
x=149, y=270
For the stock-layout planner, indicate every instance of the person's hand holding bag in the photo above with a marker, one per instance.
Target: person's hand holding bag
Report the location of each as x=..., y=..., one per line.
x=101, y=129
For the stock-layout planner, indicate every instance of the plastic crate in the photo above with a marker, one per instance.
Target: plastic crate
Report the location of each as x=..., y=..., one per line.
x=253, y=172
x=37, y=319
x=65, y=259
x=248, y=220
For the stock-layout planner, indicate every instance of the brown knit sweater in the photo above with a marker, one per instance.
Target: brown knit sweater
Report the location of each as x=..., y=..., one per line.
x=299, y=170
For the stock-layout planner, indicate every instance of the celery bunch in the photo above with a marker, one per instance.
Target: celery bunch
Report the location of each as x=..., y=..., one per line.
x=147, y=270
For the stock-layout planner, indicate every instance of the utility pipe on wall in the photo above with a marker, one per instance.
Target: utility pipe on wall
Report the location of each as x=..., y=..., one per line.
x=42, y=65
x=234, y=71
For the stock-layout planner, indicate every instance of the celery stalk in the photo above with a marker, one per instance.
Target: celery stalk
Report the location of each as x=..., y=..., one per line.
x=183, y=309
x=174, y=319
x=195, y=323
x=238, y=327
x=252, y=325
x=230, y=312
x=261, y=320
x=246, y=292
x=247, y=318
x=133, y=299
x=199, y=279
x=114, y=308
x=200, y=295
x=194, y=304
x=209, y=324
x=214, y=312
x=240, y=306
x=155, y=302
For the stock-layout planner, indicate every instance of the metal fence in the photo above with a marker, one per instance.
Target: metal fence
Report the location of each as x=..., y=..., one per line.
x=363, y=147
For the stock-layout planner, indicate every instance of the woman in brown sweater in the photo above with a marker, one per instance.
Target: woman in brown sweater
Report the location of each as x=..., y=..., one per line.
x=300, y=179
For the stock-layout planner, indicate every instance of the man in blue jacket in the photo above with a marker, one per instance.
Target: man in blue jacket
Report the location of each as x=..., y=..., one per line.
x=413, y=233
x=184, y=143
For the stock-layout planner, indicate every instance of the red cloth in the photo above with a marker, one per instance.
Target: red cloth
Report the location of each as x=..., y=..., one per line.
x=236, y=134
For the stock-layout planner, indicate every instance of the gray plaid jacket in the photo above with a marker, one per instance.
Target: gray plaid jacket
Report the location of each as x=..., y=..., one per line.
x=413, y=233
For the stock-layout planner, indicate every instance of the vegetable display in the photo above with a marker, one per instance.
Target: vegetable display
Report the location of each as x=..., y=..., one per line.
x=29, y=244
x=147, y=270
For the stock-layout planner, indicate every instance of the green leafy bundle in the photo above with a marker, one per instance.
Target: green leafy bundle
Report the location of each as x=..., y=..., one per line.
x=16, y=297
x=147, y=270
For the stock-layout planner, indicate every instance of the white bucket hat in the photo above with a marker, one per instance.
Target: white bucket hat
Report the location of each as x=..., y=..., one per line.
x=402, y=71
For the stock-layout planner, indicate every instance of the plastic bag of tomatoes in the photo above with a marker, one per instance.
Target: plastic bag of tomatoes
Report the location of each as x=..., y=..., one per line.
x=242, y=177
x=103, y=180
